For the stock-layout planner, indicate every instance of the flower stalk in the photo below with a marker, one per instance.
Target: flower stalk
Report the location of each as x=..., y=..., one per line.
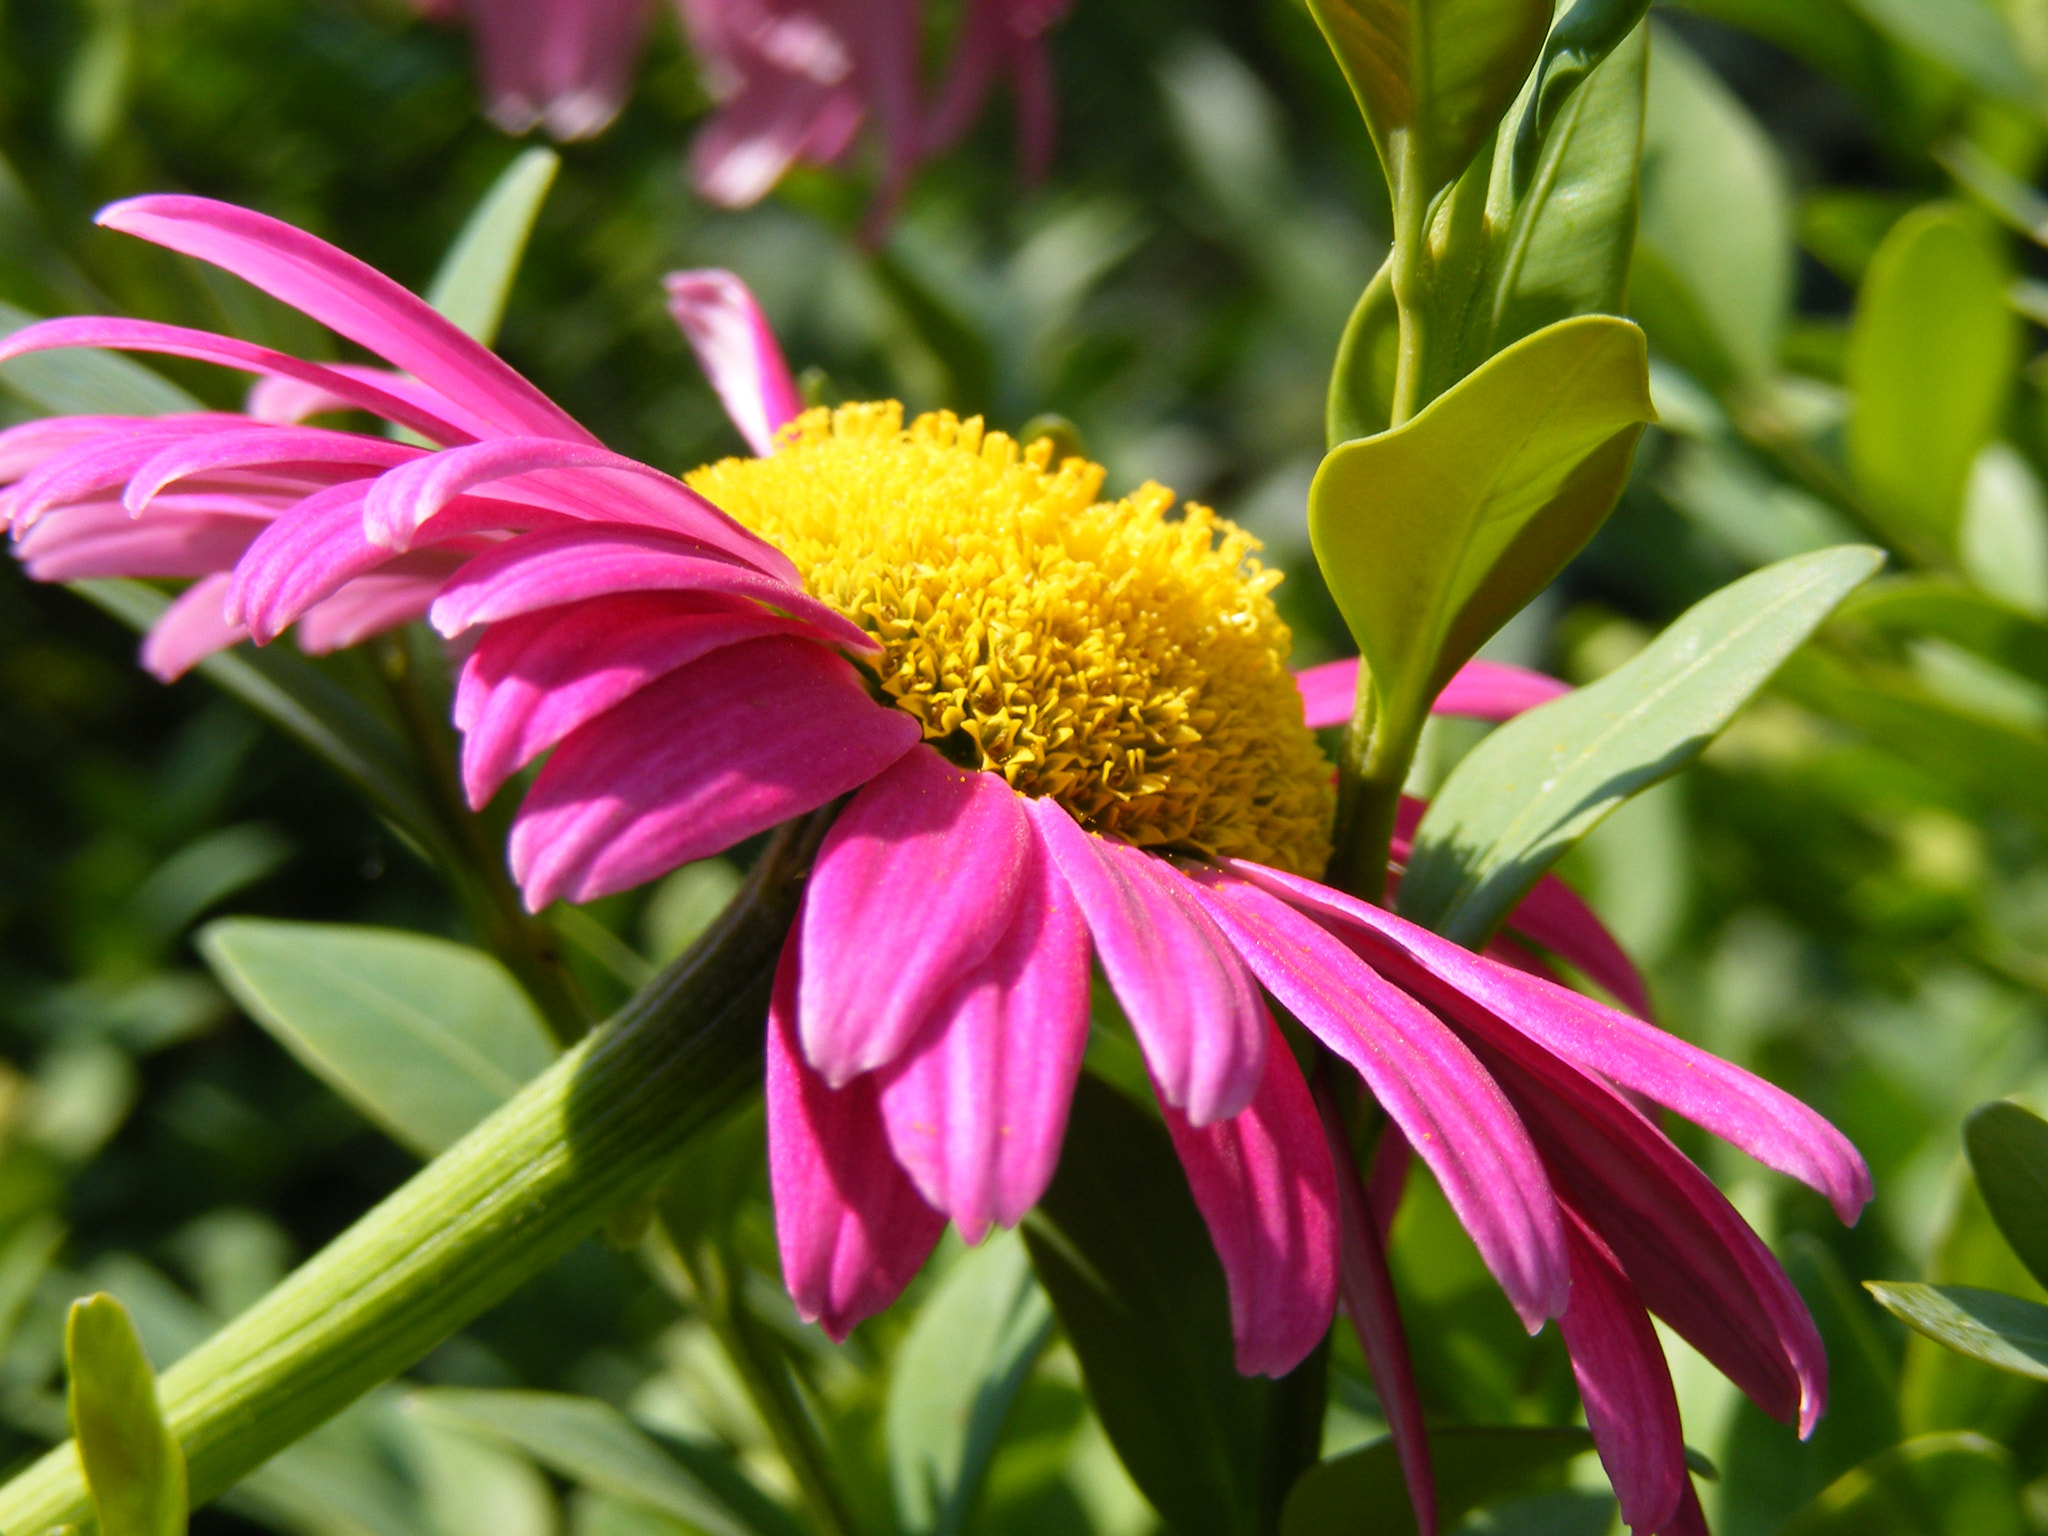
x=594, y=1133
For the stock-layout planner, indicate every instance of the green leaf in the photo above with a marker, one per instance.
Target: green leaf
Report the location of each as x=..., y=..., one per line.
x=1433, y=535
x=2009, y=1332
x=1931, y=358
x=1433, y=76
x=1936, y=1485
x=593, y=1444
x=1362, y=379
x=132, y=1463
x=2008, y=1149
x=1363, y=1490
x=475, y=277
x=1713, y=277
x=1542, y=781
x=425, y=1037
x=1969, y=36
x=1912, y=606
x=1122, y=1251
x=959, y=1369
x=85, y=381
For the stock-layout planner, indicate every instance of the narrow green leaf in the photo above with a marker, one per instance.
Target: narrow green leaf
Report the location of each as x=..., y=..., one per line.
x=425, y=1037
x=1714, y=268
x=1579, y=41
x=1439, y=72
x=1122, y=1251
x=2008, y=1150
x=85, y=381
x=132, y=1463
x=1931, y=358
x=593, y=1444
x=974, y=1342
x=1958, y=1484
x=1363, y=1489
x=1969, y=36
x=1912, y=606
x=1362, y=379
x=475, y=277
x=1542, y=781
x=1433, y=535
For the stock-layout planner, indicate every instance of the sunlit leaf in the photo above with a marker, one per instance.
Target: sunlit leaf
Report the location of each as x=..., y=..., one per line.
x=1363, y=1490
x=423, y=1036
x=1362, y=379
x=1433, y=535
x=956, y=1374
x=132, y=1462
x=1969, y=36
x=1910, y=606
x=2008, y=1148
x=1936, y=1485
x=475, y=277
x=85, y=381
x=1542, y=781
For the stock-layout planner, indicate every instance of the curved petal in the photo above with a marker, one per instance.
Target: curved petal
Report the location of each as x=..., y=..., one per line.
x=917, y=882
x=714, y=752
x=189, y=631
x=1195, y=1012
x=350, y=298
x=566, y=565
x=977, y=1108
x=103, y=540
x=1327, y=692
x=850, y=1226
x=30, y=443
x=95, y=467
x=1263, y=1182
x=1557, y=917
x=293, y=450
x=371, y=604
x=1481, y=690
x=564, y=66
x=1426, y=1079
x=533, y=679
x=1624, y=1383
x=737, y=351
x=304, y=556
x=1764, y=1121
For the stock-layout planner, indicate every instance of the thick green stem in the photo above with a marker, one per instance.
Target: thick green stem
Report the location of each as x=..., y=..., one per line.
x=593, y=1133
x=1371, y=769
x=1410, y=276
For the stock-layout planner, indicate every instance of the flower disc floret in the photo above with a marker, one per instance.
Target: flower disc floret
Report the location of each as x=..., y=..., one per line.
x=1109, y=655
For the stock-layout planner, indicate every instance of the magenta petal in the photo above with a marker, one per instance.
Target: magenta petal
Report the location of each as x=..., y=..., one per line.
x=1386, y=1182
x=1557, y=917
x=205, y=347
x=104, y=540
x=850, y=1226
x=189, y=631
x=1764, y=1121
x=348, y=297
x=1195, y=1012
x=302, y=557
x=31, y=443
x=535, y=678
x=291, y=450
x=1263, y=1182
x=544, y=570
x=371, y=604
x=1690, y=1520
x=1426, y=1079
x=916, y=882
x=1493, y=690
x=977, y=1108
x=714, y=752
x=563, y=64
x=1624, y=1383
x=737, y=351
x=1327, y=692
x=95, y=468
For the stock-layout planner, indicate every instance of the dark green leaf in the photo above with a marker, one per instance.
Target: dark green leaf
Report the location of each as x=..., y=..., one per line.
x=1969, y=36
x=2008, y=1148
x=475, y=277
x=84, y=381
x=974, y=1341
x=1930, y=361
x=1581, y=38
x=1433, y=535
x=1937, y=1485
x=423, y=1036
x=1911, y=606
x=1541, y=782
x=1362, y=1491
x=1436, y=74
x=132, y=1462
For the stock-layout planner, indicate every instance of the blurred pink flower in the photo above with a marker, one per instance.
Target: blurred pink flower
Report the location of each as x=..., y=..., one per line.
x=561, y=65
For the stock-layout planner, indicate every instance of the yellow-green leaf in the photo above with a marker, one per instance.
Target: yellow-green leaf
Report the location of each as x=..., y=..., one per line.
x=132, y=1463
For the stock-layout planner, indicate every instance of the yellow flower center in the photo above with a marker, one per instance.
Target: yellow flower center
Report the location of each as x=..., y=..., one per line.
x=1123, y=662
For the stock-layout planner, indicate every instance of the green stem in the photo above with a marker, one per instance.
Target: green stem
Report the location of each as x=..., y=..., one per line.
x=530, y=949
x=1410, y=276
x=593, y=1133
x=1371, y=769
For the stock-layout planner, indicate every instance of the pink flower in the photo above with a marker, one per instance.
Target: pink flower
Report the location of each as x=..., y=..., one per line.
x=796, y=79
x=561, y=65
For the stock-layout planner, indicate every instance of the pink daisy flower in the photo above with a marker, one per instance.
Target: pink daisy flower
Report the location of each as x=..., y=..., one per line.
x=564, y=66
x=1066, y=727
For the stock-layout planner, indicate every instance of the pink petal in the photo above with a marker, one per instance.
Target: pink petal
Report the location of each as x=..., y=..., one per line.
x=1386, y=1181
x=407, y=498
x=32, y=443
x=103, y=540
x=721, y=749
x=1690, y=1520
x=189, y=631
x=1369, y=1300
x=563, y=64
x=977, y=1108
x=1195, y=1012
x=1482, y=690
x=350, y=298
x=304, y=556
x=544, y=570
x=1327, y=692
x=294, y=451
x=205, y=347
x=783, y=77
x=1624, y=1383
x=287, y=402
x=1425, y=1078
x=535, y=678
x=738, y=353
x=850, y=1226
x=1764, y=1121
x=915, y=884
x=369, y=605
x=1263, y=1182
x=1557, y=917
x=95, y=467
